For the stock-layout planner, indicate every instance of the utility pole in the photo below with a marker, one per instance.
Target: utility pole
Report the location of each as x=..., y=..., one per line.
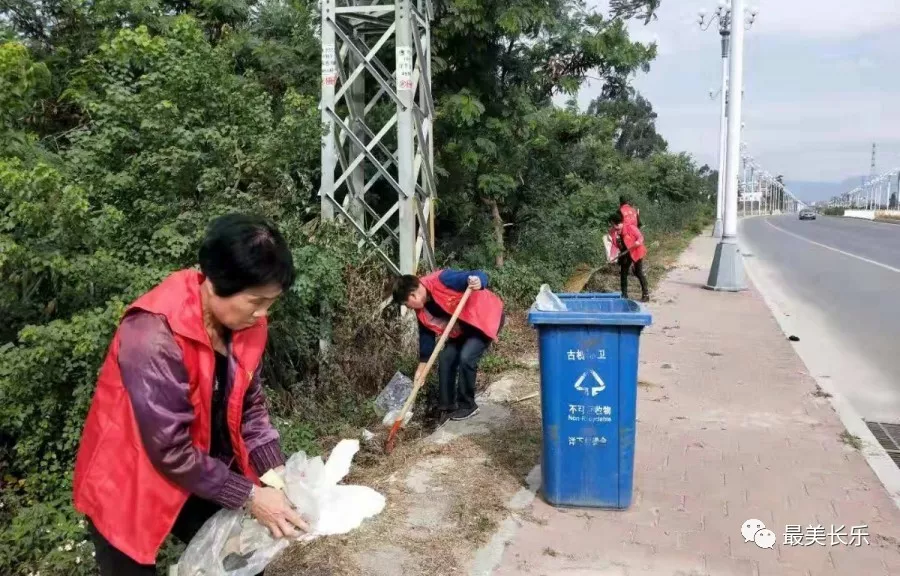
x=727, y=270
x=359, y=157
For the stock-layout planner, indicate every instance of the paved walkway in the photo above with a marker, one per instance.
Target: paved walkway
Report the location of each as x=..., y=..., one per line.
x=730, y=428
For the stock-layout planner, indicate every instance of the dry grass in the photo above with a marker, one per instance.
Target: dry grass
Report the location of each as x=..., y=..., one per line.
x=889, y=218
x=516, y=447
x=493, y=466
x=517, y=339
x=581, y=277
x=851, y=440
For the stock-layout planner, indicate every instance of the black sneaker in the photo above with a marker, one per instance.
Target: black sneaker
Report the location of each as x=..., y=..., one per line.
x=437, y=416
x=464, y=413
x=645, y=298
x=444, y=416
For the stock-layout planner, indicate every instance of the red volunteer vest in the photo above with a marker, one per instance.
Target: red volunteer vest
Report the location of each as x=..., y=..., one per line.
x=634, y=241
x=483, y=310
x=629, y=214
x=132, y=504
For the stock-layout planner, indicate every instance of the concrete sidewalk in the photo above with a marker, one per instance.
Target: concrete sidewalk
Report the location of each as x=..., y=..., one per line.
x=730, y=428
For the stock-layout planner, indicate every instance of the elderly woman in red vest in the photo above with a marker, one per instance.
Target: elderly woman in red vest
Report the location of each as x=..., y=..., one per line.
x=632, y=251
x=434, y=298
x=178, y=427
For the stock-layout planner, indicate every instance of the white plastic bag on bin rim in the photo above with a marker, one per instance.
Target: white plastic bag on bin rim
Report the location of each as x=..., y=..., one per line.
x=234, y=544
x=547, y=301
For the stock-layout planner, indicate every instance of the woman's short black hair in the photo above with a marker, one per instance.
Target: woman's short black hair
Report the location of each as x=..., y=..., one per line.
x=623, y=200
x=403, y=287
x=616, y=217
x=243, y=251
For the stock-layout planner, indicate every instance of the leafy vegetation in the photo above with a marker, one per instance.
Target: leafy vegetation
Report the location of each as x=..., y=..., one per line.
x=125, y=126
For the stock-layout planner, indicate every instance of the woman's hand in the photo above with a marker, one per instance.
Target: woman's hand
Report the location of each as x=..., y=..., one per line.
x=474, y=282
x=271, y=508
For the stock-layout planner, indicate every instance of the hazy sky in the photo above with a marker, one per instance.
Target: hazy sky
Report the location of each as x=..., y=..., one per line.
x=821, y=83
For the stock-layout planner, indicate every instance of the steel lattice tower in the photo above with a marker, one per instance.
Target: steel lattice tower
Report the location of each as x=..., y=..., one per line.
x=377, y=141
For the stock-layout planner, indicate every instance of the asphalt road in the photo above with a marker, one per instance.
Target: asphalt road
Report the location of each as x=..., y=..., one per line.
x=845, y=272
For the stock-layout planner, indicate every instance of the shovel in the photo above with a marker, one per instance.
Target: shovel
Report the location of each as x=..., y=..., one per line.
x=417, y=384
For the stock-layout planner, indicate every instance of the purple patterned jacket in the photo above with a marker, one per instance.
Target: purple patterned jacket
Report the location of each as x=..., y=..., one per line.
x=156, y=380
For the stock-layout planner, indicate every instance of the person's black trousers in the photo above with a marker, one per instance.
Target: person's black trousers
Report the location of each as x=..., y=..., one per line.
x=113, y=562
x=626, y=264
x=457, y=367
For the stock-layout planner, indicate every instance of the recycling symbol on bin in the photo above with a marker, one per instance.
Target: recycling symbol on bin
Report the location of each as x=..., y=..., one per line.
x=592, y=390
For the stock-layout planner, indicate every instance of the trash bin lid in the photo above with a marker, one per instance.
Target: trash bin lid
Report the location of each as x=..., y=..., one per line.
x=600, y=310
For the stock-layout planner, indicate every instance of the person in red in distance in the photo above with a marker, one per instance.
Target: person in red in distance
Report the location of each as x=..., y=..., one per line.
x=630, y=242
x=434, y=299
x=630, y=214
x=178, y=427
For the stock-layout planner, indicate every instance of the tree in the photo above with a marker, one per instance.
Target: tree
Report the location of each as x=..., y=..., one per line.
x=635, y=120
x=22, y=83
x=509, y=59
x=645, y=9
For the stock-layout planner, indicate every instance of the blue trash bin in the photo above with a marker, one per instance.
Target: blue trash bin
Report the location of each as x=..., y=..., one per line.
x=589, y=366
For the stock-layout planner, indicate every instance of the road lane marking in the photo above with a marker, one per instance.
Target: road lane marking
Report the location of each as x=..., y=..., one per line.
x=833, y=249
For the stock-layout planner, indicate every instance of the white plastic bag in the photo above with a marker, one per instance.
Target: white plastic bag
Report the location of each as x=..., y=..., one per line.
x=234, y=544
x=229, y=544
x=547, y=301
x=612, y=251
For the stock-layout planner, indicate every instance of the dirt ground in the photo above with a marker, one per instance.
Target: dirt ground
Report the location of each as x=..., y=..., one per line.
x=446, y=493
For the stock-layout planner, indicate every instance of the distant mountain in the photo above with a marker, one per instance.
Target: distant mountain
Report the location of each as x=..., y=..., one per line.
x=811, y=191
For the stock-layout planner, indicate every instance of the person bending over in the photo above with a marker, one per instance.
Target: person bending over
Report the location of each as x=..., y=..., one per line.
x=434, y=299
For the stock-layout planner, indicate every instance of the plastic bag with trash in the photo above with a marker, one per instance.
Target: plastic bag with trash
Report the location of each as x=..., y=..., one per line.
x=390, y=401
x=231, y=543
x=612, y=251
x=547, y=301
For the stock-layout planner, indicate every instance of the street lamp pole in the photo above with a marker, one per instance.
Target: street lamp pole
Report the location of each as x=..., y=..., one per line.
x=727, y=270
x=723, y=15
x=723, y=136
